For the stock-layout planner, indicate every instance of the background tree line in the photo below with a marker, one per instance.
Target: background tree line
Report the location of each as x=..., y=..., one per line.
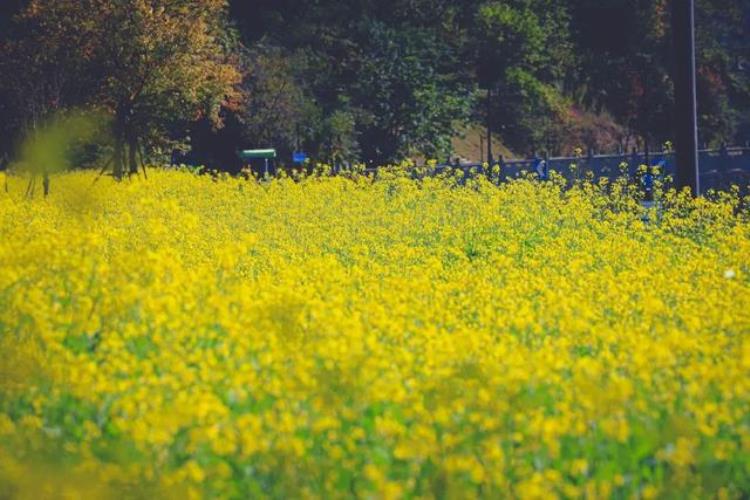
x=363, y=80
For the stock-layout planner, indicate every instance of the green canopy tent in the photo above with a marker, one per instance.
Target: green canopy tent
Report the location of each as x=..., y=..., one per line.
x=253, y=157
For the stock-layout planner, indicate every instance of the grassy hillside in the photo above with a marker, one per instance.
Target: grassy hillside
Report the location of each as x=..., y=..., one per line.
x=468, y=145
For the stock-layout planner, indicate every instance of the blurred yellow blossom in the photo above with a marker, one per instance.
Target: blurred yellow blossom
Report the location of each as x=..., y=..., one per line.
x=379, y=338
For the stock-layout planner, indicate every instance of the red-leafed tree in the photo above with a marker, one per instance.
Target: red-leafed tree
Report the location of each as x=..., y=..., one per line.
x=150, y=64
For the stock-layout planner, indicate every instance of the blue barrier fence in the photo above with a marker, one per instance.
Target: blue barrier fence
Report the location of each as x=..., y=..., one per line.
x=719, y=168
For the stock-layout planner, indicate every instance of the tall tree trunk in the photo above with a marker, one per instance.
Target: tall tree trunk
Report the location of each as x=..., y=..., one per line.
x=118, y=169
x=132, y=151
x=121, y=140
x=143, y=163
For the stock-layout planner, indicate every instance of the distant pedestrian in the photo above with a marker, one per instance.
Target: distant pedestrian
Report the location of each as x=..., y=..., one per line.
x=647, y=180
x=540, y=166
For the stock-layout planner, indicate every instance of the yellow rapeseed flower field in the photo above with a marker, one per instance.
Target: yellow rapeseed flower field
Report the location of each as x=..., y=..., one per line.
x=185, y=335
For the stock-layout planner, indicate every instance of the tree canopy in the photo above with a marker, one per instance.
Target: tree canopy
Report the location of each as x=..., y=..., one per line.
x=153, y=66
x=366, y=80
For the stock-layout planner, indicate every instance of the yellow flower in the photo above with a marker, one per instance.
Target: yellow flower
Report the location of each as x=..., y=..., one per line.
x=330, y=337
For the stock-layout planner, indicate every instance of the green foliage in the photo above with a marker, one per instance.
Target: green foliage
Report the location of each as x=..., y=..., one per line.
x=521, y=50
x=538, y=107
x=405, y=106
x=367, y=80
x=150, y=65
x=276, y=102
x=508, y=37
x=723, y=86
x=386, y=79
x=624, y=64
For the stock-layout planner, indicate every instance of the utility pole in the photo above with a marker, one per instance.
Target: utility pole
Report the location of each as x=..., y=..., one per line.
x=685, y=113
x=489, y=125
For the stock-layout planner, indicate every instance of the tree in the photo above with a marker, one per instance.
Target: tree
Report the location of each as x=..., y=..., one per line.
x=40, y=76
x=276, y=111
x=409, y=100
x=625, y=59
x=276, y=107
x=385, y=76
x=8, y=110
x=723, y=85
x=151, y=64
x=519, y=51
